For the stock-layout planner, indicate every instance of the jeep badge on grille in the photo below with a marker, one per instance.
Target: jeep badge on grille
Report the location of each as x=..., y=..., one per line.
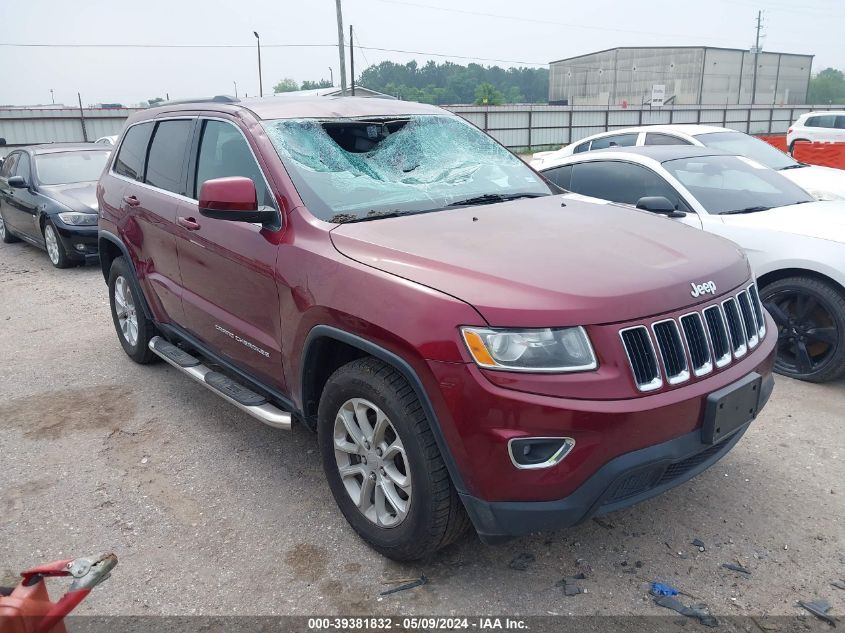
x=707, y=288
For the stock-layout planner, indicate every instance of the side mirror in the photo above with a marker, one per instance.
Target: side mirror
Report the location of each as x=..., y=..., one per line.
x=18, y=182
x=233, y=199
x=661, y=205
x=2, y=141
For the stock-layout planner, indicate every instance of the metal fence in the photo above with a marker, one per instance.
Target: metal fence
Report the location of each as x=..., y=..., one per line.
x=517, y=127
x=532, y=127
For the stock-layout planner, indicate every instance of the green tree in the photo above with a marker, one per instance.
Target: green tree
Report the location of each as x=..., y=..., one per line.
x=155, y=101
x=828, y=86
x=286, y=85
x=314, y=85
x=487, y=94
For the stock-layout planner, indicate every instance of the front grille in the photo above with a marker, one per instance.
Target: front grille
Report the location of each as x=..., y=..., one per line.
x=641, y=356
x=705, y=340
x=696, y=338
x=735, y=328
x=671, y=351
x=748, y=318
x=682, y=467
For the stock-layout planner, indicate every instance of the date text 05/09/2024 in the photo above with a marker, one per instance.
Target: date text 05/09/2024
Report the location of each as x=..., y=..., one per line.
x=421, y=623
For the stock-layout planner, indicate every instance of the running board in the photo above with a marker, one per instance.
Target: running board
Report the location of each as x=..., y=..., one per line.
x=245, y=399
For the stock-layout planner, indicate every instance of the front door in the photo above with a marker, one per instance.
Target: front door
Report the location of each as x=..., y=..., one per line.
x=230, y=296
x=21, y=206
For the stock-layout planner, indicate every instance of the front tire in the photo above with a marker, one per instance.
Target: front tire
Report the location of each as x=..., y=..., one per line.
x=810, y=317
x=55, y=249
x=5, y=236
x=383, y=465
x=134, y=329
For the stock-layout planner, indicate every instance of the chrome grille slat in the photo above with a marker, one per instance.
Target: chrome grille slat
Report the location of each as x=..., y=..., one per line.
x=696, y=339
x=696, y=344
x=641, y=356
x=749, y=321
x=672, y=352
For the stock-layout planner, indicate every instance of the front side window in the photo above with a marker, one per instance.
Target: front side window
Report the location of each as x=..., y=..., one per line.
x=735, y=184
x=616, y=140
x=64, y=168
x=561, y=176
x=224, y=152
x=840, y=122
x=621, y=182
x=826, y=120
x=24, y=170
x=9, y=165
x=583, y=147
x=653, y=138
x=132, y=156
x=166, y=163
x=352, y=169
x=745, y=145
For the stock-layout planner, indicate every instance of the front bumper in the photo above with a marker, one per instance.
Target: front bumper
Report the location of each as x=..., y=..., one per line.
x=621, y=482
x=80, y=242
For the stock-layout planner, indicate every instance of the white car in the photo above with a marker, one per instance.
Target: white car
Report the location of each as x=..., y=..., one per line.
x=824, y=183
x=817, y=126
x=107, y=140
x=795, y=244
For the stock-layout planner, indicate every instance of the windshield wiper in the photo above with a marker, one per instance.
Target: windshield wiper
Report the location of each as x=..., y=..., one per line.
x=492, y=198
x=745, y=210
x=795, y=166
x=349, y=218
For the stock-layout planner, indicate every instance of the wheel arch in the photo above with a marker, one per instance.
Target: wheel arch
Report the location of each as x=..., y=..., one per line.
x=110, y=248
x=783, y=273
x=327, y=348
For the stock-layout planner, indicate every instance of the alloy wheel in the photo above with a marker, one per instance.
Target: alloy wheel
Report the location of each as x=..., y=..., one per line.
x=52, y=244
x=807, y=332
x=124, y=307
x=372, y=462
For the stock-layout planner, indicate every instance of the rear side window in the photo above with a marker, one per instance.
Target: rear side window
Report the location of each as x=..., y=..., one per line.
x=621, y=182
x=617, y=140
x=166, y=164
x=561, y=176
x=224, y=152
x=652, y=138
x=133, y=152
x=840, y=122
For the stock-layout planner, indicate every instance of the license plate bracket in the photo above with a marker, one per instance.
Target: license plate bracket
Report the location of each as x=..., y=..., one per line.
x=731, y=407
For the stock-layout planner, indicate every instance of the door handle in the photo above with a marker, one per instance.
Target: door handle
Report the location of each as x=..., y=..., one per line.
x=189, y=223
x=132, y=201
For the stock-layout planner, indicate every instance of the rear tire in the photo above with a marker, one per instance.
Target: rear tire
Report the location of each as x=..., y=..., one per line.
x=134, y=329
x=810, y=317
x=5, y=236
x=426, y=513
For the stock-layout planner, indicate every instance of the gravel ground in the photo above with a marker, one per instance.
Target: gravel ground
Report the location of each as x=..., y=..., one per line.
x=212, y=513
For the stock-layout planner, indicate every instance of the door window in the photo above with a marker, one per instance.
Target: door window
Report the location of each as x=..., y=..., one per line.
x=621, y=182
x=166, y=163
x=653, y=138
x=616, y=140
x=223, y=153
x=827, y=120
x=132, y=156
x=840, y=122
x=561, y=176
x=24, y=170
x=9, y=165
x=583, y=147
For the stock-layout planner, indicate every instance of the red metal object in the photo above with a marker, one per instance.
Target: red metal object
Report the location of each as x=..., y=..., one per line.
x=28, y=609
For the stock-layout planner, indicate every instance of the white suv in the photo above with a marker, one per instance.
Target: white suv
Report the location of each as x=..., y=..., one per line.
x=817, y=126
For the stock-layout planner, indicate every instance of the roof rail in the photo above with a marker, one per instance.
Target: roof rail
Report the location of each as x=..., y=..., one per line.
x=214, y=99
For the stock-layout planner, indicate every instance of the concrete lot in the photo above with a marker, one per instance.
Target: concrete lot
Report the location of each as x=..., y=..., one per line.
x=212, y=513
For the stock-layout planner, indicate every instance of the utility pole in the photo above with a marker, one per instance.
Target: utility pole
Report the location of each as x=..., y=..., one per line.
x=331, y=75
x=340, y=48
x=352, y=59
x=260, y=85
x=236, y=89
x=756, y=52
x=82, y=118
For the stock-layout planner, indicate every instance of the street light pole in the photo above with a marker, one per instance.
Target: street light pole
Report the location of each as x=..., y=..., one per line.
x=260, y=85
x=52, y=97
x=331, y=76
x=352, y=59
x=236, y=89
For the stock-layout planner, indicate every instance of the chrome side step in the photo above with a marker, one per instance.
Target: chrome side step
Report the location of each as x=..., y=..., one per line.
x=245, y=399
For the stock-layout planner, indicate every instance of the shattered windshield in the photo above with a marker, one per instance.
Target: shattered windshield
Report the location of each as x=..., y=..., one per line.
x=353, y=169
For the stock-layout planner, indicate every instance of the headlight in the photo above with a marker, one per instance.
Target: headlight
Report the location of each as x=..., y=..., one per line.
x=78, y=219
x=536, y=350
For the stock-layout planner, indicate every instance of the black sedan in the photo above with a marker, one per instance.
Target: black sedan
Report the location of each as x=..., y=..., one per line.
x=48, y=198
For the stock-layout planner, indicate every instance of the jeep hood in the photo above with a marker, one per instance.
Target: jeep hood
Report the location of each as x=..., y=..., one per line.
x=538, y=263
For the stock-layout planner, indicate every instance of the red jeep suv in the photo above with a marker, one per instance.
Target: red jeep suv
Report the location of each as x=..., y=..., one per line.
x=470, y=344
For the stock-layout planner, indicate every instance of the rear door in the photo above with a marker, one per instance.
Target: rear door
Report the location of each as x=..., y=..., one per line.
x=231, y=298
x=152, y=157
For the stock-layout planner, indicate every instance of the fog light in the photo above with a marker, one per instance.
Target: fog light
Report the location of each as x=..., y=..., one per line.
x=539, y=452
x=80, y=247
